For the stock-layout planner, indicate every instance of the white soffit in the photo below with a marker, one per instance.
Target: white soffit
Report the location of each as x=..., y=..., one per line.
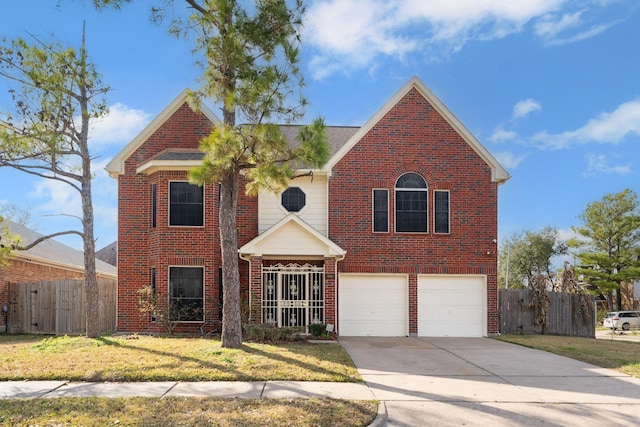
x=292, y=236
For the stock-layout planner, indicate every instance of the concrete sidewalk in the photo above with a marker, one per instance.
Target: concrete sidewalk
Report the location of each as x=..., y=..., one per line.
x=221, y=389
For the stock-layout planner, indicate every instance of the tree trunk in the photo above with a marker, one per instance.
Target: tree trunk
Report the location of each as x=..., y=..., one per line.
x=231, y=320
x=90, y=278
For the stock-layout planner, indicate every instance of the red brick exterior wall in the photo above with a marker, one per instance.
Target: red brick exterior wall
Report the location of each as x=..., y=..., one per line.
x=142, y=247
x=19, y=270
x=413, y=137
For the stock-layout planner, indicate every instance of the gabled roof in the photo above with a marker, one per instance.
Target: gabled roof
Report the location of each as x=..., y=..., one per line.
x=109, y=254
x=291, y=237
x=116, y=166
x=498, y=173
x=52, y=252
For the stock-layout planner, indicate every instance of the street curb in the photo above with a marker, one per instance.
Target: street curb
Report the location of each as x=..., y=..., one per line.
x=381, y=418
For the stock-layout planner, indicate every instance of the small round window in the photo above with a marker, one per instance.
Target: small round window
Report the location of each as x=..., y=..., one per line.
x=293, y=199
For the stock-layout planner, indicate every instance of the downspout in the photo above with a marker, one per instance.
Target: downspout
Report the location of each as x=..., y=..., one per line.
x=248, y=259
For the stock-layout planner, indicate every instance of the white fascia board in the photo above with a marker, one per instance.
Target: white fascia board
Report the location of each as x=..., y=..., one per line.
x=249, y=248
x=153, y=166
x=116, y=166
x=498, y=173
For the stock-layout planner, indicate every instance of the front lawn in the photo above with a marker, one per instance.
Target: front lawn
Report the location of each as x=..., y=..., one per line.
x=148, y=412
x=148, y=358
x=622, y=356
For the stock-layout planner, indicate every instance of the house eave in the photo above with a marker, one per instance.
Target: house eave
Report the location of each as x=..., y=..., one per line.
x=53, y=264
x=116, y=166
x=154, y=166
x=253, y=248
x=498, y=173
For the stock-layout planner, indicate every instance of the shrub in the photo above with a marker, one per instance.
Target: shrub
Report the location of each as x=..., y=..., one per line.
x=270, y=334
x=318, y=330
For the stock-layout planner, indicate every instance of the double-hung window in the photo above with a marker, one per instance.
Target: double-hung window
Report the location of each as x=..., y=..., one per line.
x=186, y=290
x=186, y=204
x=411, y=203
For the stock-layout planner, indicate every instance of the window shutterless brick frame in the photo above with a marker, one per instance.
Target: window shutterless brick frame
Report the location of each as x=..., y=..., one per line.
x=413, y=137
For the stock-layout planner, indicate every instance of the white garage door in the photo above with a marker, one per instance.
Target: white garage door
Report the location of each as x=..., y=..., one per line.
x=452, y=306
x=372, y=305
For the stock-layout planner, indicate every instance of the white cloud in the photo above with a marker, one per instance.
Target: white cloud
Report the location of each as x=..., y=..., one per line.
x=568, y=27
x=608, y=128
x=597, y=164
x=508, y=159
x=352, y=34
x=526, y=107
x=501, y=135
x=550, y=25
x=121, y=124
x=59, y=198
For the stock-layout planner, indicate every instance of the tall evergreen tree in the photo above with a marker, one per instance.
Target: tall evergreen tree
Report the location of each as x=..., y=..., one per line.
x=609, y=252
x=248, y=52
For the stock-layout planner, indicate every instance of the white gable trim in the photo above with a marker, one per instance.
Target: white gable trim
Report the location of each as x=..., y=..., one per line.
x=116, y=166
x=498, y=173
x=154, y=166
x=255, y=246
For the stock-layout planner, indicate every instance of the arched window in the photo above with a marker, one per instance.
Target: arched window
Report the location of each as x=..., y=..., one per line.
x=411, y=203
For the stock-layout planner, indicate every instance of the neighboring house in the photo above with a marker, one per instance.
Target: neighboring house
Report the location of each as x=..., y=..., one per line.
x=396, y=235
x=109, y=254
x=47, y=261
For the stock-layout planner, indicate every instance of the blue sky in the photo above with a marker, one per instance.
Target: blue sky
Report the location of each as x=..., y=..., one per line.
x=550, y=87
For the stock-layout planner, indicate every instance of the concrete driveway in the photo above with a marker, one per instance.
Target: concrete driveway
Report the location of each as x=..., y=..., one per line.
x=481, y=381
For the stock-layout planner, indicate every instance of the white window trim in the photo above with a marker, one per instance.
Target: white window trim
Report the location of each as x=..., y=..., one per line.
x=287, y=212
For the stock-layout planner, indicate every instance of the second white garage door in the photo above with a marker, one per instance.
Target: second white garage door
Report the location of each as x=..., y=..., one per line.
x=452, y=306
x=372, y=305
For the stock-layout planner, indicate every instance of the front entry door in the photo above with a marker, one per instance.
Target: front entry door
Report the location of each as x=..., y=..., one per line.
x=293, y=295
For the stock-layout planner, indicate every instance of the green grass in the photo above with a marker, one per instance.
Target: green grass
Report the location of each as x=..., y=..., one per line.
x=185, y=412
x=148, y=358
x=622, y=356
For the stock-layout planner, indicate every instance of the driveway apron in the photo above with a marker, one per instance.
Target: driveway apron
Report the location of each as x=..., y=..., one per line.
x=481, y=381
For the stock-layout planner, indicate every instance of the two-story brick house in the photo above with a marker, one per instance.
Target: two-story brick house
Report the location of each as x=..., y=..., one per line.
x=396, y=235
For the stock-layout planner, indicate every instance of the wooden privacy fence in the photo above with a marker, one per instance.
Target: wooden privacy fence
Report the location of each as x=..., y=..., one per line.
x=58, y=307
x=566, y=314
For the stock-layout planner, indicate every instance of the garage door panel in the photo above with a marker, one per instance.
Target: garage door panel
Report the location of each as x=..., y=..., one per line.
x=374, y=305
x=451, y=306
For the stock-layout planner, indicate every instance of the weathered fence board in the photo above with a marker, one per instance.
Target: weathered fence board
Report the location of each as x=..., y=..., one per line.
x=566, y=314
x=58, y=307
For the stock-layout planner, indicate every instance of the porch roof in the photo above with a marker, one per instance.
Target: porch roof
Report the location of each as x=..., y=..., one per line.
x=291, y=237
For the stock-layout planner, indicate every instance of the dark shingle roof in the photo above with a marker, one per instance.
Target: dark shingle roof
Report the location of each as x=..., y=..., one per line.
x=109, y=254
x=337, y=136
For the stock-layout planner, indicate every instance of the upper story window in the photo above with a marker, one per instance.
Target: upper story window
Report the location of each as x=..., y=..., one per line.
x=186, y=204
x=381, y=210
x=441, y=211
x=411, y=203
x=293, y=199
